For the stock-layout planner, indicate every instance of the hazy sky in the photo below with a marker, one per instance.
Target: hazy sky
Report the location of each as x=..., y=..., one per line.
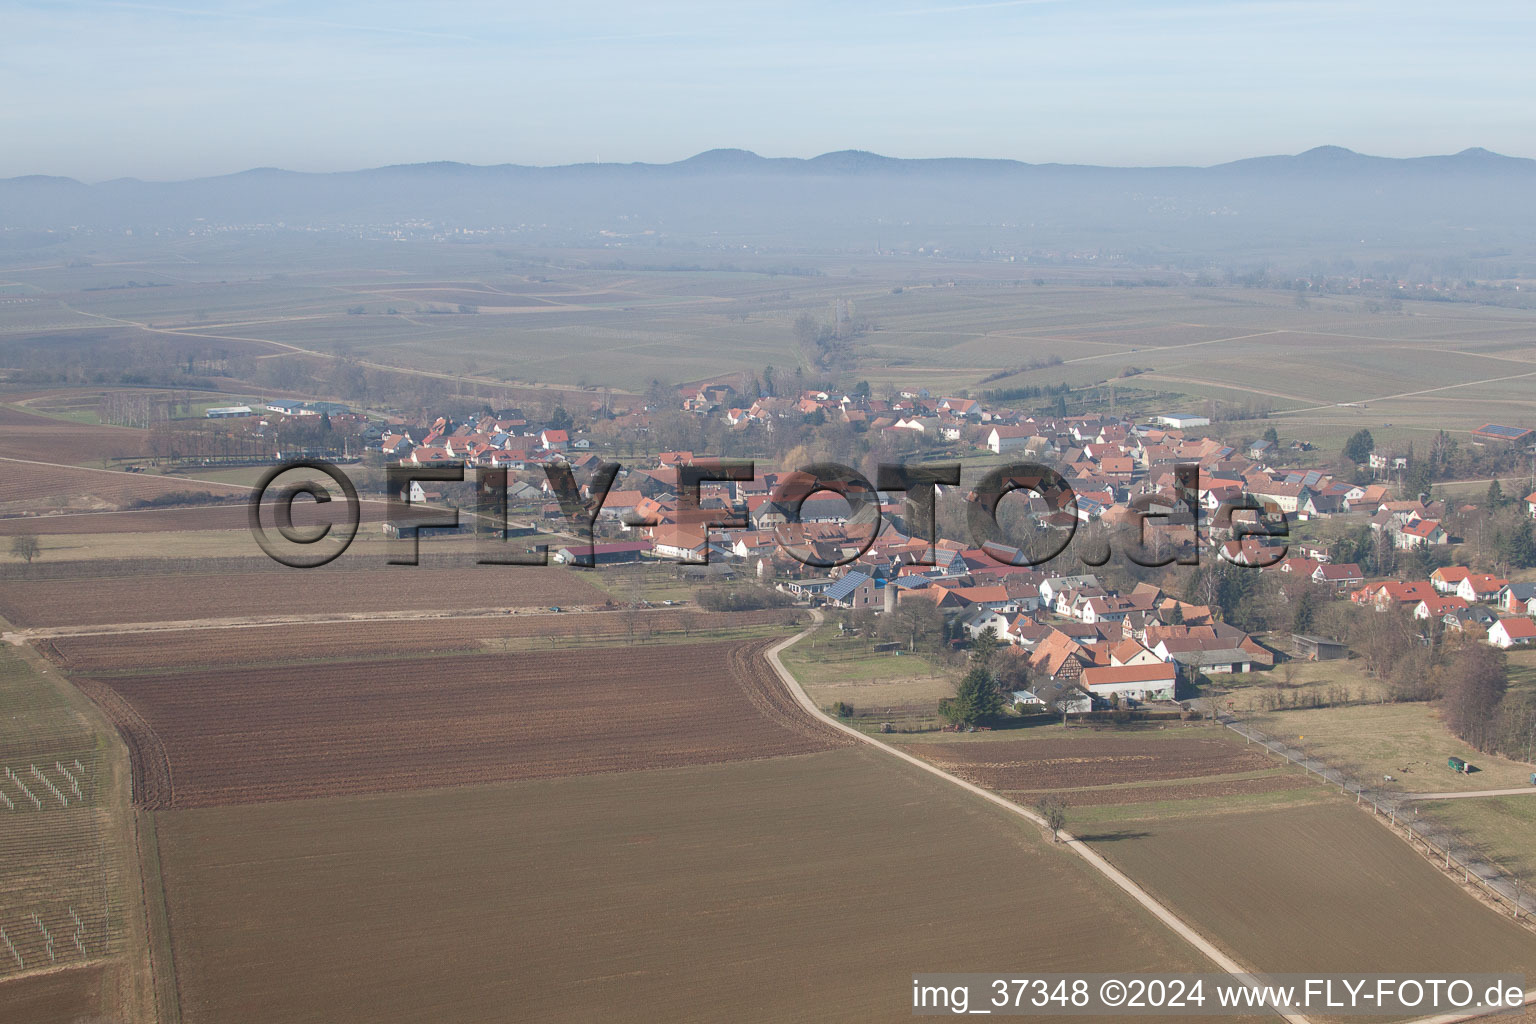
x=96, y=89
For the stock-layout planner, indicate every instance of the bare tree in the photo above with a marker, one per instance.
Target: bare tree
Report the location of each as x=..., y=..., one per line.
x=1053, y=808
x=25, y=546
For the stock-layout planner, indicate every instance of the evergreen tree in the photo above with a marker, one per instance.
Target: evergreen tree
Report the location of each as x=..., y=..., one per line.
x=1517, y=548
x=1359, y=447
x=1305, y=613
x=983, y=647
x=976, y=699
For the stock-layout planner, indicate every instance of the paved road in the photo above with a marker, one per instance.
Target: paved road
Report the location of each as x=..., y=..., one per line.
x=1522, y=791
x=1104, y=867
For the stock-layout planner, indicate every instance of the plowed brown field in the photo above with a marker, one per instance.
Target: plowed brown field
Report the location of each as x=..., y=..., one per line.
x=70, y=996
x=265, y=645
x=245, y=736
x=278, y=591
x=782, y=889
x=149, y=520
x=25, y=435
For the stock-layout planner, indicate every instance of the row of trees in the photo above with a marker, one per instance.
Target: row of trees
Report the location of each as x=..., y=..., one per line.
x=1478, y=707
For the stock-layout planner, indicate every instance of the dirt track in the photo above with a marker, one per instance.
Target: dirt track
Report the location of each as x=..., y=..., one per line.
x=1108, y=870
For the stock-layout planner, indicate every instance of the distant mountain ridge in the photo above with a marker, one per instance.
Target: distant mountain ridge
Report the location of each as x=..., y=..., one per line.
x=1328, y=202
x=858, y=161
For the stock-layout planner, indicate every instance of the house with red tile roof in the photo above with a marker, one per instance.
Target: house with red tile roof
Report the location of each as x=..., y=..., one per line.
x=1338, y=574
x=1420, y=533
x=1133, y=682
x=1438, y=607
x=1480, y=586
x=1507, y=633
x=1447, y=578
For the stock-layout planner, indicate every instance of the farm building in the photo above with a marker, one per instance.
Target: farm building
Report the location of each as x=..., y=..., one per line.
x=226, y=411
x=1137, y=682
x=1007, y=439
x=1193, y=656
x=604, y=554
x=1500, y=432
x=1308, y=647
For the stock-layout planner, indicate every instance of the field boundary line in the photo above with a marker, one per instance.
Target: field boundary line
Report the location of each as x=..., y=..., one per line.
x=1364, y=796
x=1094, y=859
x=166, y=992
x=1488, y=876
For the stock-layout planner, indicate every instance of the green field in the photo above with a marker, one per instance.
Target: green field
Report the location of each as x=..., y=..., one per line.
x=1406, y=741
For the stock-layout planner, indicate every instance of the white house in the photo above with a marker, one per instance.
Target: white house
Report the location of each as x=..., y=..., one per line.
x=1480, y=586
x=1007, y=439
x=1507, y=633
x=1053, y=588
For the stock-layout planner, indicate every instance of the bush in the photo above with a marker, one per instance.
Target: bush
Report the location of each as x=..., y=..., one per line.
x=741, y=599
x=842, y=709
x=173, y=498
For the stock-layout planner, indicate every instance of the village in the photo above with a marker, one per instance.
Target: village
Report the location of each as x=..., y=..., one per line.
x=1087, y=643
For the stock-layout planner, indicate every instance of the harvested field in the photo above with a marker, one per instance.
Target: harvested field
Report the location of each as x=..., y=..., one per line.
x=1070, y=763
x=34, y=487
x=244, y=736
x=25, y=435
x=149, y=520
x=179, y=519
x=1279, y=782
x=274, y=589
x=802, y=888
x=279, y=644
x=62, y=997
x=1313, y=888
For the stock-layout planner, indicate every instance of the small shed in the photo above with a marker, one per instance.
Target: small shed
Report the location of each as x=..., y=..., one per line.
x=1307, y=647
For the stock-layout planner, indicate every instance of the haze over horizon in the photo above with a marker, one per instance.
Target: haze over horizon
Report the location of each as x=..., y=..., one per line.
x=1325, y=150
x=1103, y=82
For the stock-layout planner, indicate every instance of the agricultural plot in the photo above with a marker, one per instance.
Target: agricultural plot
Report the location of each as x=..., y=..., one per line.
x=61, y=873
x=326, y=642
x=30, y=488
x=1081, y=762
x=1499, y=829
x=60, y=997
x=242, y=736
x=26, y=435
x=261, y=587
x=1315, y=888
x=790, y=888
x=1405, y=741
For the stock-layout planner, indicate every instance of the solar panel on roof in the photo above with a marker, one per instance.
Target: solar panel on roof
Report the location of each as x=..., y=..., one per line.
x=1499, y=430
